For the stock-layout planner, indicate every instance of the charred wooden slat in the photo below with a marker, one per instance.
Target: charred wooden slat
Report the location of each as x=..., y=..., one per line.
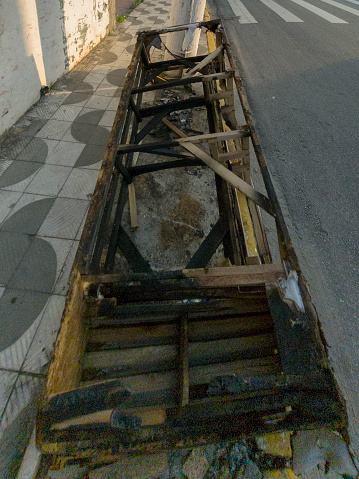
x=149, y=359
x=160, y=334
x=183, y=81
x=165, y=165
x=210, y=245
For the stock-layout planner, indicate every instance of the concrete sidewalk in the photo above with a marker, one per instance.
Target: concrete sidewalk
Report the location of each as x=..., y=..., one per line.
x=49, y=162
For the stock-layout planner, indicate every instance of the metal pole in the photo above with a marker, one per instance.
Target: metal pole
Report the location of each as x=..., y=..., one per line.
x=185, y=43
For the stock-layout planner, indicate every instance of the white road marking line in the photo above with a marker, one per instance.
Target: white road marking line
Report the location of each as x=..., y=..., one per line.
x=343, y=7
x=240, y=11
x=353, y=1
x=281, y=11
x=318, y=11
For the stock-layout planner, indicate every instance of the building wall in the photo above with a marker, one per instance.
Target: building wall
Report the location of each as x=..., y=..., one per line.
x=40, y=40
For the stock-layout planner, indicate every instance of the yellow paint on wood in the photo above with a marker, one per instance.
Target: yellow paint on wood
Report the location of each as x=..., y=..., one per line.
x=276, y=444
x=279, y=474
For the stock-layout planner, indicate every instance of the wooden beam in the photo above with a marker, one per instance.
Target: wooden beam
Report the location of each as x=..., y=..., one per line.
x=204, y=62
x=237, y=275
x=184, y=362
x=230, y=177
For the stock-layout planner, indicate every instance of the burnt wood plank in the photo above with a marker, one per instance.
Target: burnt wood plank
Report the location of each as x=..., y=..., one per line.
x=210, y=244
x=131, y=253
x=158, y=334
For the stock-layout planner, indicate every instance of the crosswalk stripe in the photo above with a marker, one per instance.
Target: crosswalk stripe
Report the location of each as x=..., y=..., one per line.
x=318, y=11
x=353, y=1
x=343, y=7
x=240, y=11
x=281, y=11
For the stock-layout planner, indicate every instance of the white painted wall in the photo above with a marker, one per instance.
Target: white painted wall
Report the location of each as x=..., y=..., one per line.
x=39, y=41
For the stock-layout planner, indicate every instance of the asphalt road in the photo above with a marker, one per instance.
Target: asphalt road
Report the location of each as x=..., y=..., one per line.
x=300, y=67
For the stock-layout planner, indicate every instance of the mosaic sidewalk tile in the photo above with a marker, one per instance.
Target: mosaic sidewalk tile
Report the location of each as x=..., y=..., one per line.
x=98, y=101
x=62, y=248
x=67, y=112
x=107, y=119
x=25, y=389
x=77, y=98
x=37, y=150
x=18, y=175
x=54, y=129
x=90, y=116
x=28, y=214
x=91, y=157
x=7, y=382
x=37, y=268
x=42, y=345
x=49, y=180
x=65, y=153
x=64, y=219
x=95, y=78
x=8, y=200
x=61, y=285
x=13, y=356
x=80, y=184
x=13, y=246
x=19, y=310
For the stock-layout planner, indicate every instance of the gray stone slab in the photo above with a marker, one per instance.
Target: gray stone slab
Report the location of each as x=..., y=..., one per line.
x=29, y=218
x=37, y=268
x=64, y=219
x=19, y=309
x=12, y=249
x=18, y=172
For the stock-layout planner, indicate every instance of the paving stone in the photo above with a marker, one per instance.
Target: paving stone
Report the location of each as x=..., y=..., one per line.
x=8, y=200
x=19, y=174
x=64, y=218
x=23, y=392
x=91, y=155
x=107, y=119
x=117, y=77
x=42, y=345
x=61, y=285
x=77, y=98
x=90, y=116
x=49, y=180
x=65, y=153
x=95, y=78
x=67, y=112
x=54, y=129
x=19, y=309
x=107, y=58
x=12, y=248
x=80, y=184
x=37, y=268
x=7, y=381
x=31, y=210
x=92, y=134
x=36, y=150
x=98, y=101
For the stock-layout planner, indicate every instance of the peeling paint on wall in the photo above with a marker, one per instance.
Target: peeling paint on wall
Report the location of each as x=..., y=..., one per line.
x=40, y=40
